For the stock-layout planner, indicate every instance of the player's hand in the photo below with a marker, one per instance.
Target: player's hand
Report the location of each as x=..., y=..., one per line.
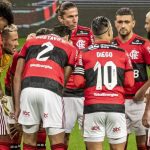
x=138, y=100
x=30, y=36
x=146, y=119
x=16, y=114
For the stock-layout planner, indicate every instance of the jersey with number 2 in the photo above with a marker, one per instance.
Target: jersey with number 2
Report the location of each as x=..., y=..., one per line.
x=45, y=59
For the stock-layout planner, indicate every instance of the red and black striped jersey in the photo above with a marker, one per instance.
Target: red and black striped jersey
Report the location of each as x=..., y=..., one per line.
x=139, y=52
x=81, y=38
x=107, y=70
x=45, y=59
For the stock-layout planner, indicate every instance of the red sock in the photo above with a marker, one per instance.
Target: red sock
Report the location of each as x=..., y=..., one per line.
x=15, y=143
x=60, y=146
x=141, y=147
x=29, y=147
x=41, y=138
x=4, y=146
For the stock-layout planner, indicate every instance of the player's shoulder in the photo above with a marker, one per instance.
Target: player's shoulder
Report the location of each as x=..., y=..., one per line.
x=83, y=28
x=139, y=40
x=83, y=31
x=115, y=41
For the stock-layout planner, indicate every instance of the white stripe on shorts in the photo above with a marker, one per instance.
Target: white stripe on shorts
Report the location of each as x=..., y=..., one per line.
x=2, y=123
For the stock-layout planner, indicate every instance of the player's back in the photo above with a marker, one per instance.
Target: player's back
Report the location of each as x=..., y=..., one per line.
x=45, y=59
x=105, y=67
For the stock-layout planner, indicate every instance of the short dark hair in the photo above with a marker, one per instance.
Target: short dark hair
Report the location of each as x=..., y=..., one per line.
x=43, y=31
x=65, y=6
x=61, y=30
x=100, y=25
x=125, y=11
x=6, y=12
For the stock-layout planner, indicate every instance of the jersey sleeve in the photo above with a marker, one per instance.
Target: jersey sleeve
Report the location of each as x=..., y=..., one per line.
x=23, y=51
x=79, y=79
x=129, y=74
x=146, y=52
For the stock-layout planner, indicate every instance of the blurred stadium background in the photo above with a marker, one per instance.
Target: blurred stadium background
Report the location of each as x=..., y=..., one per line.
x=33, y=14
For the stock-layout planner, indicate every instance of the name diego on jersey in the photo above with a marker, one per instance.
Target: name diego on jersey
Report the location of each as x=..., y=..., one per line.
x=104, y=54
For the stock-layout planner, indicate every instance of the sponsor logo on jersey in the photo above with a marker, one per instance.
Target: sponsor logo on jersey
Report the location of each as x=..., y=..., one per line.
x=134, y=54
x=82, y=32
x=116, y=129
x=25, y=113
x=95, y=128
x=106, y=94
x=80, y=44
x=115, y=43
x=137, y=42
x=45, y=115
x=95, y=46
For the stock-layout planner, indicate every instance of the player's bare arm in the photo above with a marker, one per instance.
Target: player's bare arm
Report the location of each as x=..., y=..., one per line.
x=146, y=116
x=140, y=94
x=68, y=71
x=17, y=85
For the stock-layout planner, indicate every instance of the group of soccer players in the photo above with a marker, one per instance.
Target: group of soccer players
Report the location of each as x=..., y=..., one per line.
x=72, y=73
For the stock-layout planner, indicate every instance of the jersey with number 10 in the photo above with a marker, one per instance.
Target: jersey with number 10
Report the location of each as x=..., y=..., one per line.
x=107, y=71
x=139, y=52
x=45, y=59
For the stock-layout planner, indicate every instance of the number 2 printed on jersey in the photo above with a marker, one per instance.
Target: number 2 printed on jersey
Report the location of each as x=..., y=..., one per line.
x=49, y=47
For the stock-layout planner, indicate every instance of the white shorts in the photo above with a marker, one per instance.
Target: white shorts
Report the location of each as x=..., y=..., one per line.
x=73, y=112
x=35, y=128
x=100, y=124
x=37, y=104
x=134, y=113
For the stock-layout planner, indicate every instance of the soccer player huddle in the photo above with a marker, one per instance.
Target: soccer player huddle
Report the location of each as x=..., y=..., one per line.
x=73, y=73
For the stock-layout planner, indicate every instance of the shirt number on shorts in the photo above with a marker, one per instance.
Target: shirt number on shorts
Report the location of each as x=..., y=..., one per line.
x=108, y=78
x=49, y=47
